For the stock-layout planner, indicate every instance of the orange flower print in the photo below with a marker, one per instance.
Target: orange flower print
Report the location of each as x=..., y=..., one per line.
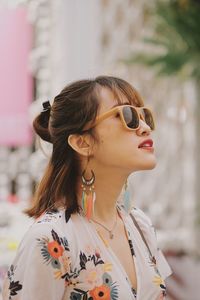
x=101, y=293
x=54, y=249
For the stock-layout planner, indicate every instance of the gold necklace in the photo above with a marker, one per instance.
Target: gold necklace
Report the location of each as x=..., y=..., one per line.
x=110, y=231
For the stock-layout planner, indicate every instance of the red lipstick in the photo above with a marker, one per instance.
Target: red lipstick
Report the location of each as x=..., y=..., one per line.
x=147, y=145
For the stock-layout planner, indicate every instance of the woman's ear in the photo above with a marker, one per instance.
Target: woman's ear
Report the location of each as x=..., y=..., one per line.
x=81, y=144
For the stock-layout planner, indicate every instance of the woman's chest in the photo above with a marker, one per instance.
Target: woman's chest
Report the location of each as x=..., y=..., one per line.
x=102, y=271
x=95, y=275
x=96, y=271
x=98, y=275
x=122, y=249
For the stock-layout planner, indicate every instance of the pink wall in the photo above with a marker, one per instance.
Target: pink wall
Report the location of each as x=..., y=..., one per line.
x=15, y=78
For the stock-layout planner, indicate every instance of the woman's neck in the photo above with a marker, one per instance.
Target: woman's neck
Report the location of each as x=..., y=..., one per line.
x=108, y=187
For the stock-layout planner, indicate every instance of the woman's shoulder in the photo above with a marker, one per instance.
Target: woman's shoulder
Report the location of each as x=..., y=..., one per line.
x=47, y=226
x=141, y=216
x=145, y=224
x=44, y=247
x=51, y=217
x=149, y=232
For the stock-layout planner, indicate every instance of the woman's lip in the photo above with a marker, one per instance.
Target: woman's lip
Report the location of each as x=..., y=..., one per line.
x=148, y=141
x=151, y=149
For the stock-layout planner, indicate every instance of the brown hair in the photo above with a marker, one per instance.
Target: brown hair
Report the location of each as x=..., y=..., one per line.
x=76, y=105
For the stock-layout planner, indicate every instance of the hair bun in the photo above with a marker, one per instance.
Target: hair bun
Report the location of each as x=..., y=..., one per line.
x=41, y=122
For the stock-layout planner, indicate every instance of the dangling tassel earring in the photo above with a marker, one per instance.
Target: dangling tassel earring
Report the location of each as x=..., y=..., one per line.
x=127, y=198
x=88, y=195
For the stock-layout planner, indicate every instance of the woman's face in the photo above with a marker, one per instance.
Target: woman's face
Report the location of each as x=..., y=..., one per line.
x=118, y=147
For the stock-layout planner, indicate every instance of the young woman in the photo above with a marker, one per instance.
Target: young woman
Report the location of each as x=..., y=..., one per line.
x=86, y=242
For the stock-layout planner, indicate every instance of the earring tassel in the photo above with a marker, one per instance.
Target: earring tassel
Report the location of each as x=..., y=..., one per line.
x=94, y=199
x=89, y=209
x=83, y=201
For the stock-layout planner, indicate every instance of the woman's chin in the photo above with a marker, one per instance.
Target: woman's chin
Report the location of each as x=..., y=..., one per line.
x=148, y=164
x=152, y=166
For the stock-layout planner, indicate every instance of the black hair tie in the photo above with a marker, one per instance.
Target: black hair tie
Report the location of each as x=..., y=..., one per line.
x=46, y=106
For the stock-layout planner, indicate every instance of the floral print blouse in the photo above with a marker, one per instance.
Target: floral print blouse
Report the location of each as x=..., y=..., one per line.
x=61, y=260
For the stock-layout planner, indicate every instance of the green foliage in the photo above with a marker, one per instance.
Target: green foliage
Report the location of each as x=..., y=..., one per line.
x=176, y=36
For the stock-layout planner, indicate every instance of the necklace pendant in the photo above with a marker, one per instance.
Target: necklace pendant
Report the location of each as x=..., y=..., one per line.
x=111, y=235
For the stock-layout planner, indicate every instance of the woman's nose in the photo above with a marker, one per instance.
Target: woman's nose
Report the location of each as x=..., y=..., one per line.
x=144, y=129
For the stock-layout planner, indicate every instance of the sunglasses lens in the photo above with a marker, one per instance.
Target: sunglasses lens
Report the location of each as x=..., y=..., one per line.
x=130, y=117
x=148, y=117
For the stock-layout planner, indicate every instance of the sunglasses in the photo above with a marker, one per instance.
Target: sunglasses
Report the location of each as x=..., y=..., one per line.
x=129, y=115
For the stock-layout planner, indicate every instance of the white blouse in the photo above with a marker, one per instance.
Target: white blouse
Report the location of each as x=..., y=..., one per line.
x=61, y=259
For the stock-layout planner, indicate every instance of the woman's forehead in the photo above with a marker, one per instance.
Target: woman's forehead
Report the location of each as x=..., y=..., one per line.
x=108, y=99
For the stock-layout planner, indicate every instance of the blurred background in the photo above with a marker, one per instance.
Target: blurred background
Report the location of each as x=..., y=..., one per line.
x=155, y=45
